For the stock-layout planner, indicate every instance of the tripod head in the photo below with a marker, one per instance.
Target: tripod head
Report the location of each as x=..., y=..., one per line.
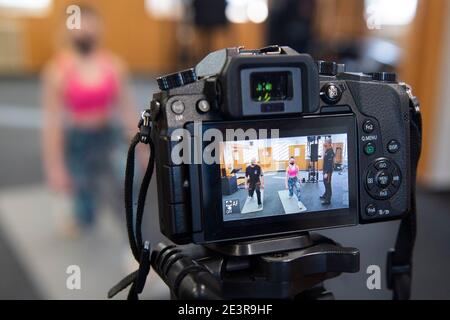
x=279, y=268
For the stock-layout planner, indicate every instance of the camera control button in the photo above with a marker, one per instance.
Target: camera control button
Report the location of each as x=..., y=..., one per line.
x=178, y=107
x=203, y=106
x=331, y=93
x=384, y=194
x=396, y=178
x=370, y=149
x=383, y=165
x=371, y=210
x=383, y=179
x=370, y=180
x=393, y=146
x=368, y=126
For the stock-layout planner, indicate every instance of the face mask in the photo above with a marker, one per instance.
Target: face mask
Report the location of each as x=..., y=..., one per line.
x=291, y=163
x=84, y=45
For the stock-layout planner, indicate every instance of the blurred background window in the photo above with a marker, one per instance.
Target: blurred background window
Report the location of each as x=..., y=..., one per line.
x=166, y=9
x=25, y=7
x=381, y=13
x=243, y=11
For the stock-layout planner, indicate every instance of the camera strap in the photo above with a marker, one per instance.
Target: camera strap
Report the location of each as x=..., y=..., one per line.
x=141, y=250
x=399, y=259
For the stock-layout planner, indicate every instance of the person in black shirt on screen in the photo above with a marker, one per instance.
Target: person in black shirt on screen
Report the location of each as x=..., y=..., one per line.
x=254, y=180
x=328, y=167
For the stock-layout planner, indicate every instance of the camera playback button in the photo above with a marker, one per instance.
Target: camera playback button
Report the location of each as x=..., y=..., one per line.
x=370, y=149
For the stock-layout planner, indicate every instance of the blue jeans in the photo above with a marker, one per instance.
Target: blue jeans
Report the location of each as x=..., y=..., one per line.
x=293, y=183
x=88, y=157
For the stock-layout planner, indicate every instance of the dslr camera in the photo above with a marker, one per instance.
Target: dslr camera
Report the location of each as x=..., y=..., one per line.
x=264, y=143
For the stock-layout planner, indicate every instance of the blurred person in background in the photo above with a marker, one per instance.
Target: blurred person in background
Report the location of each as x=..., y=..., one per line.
x=209, y=19
x=291, y=23
x=84, y=86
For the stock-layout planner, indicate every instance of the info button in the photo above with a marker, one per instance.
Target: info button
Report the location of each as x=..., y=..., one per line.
x=393, y=146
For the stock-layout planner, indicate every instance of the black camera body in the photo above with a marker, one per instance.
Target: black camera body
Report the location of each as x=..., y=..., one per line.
x=349, y=131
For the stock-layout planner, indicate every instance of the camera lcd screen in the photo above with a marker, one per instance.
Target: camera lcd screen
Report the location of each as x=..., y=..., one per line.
x=304, y=175
x=271, y=86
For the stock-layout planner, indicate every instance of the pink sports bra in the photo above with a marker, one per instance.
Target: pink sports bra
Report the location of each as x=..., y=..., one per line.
x=82, y=99
x=292, y=171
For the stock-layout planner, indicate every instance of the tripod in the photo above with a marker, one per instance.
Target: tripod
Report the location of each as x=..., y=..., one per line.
x=290, y=267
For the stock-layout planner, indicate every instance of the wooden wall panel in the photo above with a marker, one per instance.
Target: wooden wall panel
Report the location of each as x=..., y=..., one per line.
x=339, y=20
x=300, y=158
x=146, y=44
x=421, y=68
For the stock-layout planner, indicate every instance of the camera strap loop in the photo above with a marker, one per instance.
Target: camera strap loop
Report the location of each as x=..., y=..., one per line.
x=141, y=251
x=145, y=127
x=399, y=260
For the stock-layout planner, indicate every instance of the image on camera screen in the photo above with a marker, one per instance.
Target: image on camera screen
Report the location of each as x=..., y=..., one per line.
x=296, y=175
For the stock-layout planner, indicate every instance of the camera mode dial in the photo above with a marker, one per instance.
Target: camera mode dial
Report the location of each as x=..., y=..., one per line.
x=178, y=79
x=384, y=76
x=327, y=68
x=330, y=68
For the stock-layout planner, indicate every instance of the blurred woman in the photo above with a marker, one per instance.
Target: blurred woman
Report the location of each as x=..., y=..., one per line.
x=292, y=180
x=83, y=87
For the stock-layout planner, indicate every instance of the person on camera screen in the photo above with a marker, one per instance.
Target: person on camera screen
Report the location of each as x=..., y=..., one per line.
x=254, y=181
x=292, y=180
x=328, y=166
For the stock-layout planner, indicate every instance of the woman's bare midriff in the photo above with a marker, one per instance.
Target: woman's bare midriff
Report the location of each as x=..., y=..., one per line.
x=90, y=120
